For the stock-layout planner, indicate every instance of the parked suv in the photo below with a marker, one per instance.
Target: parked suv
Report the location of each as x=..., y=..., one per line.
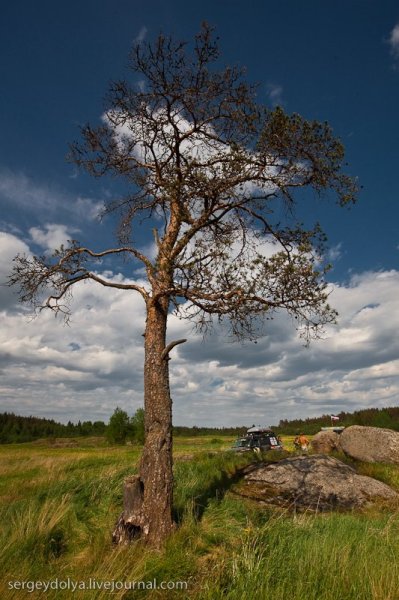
x=241, y=445
x=259, y=440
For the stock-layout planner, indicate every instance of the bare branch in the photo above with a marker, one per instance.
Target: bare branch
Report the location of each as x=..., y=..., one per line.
x=44, y=281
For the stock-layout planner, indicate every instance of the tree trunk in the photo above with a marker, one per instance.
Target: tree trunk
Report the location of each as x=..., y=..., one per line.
x=157, y=462
x=148, y=498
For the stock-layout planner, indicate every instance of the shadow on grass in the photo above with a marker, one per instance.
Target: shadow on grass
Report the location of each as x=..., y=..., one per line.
x=216, y=489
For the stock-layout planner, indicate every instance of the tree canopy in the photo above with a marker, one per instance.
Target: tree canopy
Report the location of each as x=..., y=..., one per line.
x=118, y=426
x=208, y=167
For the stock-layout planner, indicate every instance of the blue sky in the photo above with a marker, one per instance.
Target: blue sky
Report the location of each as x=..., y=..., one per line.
x=331, y=61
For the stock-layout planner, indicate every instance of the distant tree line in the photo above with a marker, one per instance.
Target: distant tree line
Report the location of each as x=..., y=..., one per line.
x=216, y=431
x=14, y=428
x=122, y=428
x=371, y=417
x=18, y=429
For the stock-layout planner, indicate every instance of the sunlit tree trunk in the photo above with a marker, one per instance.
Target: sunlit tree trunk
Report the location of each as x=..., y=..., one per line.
x=156, y=461
x=148, y=497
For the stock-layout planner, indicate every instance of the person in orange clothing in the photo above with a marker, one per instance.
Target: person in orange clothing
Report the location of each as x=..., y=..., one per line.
x=303, y=442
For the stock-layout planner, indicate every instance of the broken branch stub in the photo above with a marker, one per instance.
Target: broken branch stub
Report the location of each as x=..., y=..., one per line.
x=169, y=347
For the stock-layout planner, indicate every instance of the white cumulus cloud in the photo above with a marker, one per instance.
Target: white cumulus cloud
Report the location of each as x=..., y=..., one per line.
x=41, y=198
x=10, y=246
x=85, y=370
x=52, y=235
x=140, y=37
x=394, y=41
x=275, y=93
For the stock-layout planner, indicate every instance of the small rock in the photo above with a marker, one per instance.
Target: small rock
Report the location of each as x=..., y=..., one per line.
x=325, y=442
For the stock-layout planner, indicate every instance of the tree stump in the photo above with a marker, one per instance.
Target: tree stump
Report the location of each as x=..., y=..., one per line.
x=129, y=524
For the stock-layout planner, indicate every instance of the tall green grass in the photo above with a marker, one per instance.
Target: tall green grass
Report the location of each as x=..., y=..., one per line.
x=58, y=508
x=333, y=557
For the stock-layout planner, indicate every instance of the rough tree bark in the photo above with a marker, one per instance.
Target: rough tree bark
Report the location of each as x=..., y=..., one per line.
x=148, y=498
x=156, y=461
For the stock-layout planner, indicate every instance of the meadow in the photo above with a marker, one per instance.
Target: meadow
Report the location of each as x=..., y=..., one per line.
x=58, y=506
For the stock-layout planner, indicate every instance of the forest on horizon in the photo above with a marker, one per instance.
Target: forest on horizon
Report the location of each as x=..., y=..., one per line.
x=19, y=429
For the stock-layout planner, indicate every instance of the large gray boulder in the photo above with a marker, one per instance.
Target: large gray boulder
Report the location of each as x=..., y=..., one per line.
x=371, y=444
x=325, y=442
x=315, y=482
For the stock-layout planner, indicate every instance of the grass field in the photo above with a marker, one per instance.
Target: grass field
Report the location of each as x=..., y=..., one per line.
x=58, y=506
